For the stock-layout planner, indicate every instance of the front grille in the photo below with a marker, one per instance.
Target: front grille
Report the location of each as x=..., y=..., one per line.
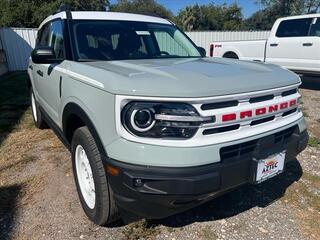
x=289, y=92
x=287, y=113
x=218, y=105
x=283, y=136
x=238, y=150
x=237, y=109
x=221, y=129
x=247, y=148
x=263, y=120
x=261, y=99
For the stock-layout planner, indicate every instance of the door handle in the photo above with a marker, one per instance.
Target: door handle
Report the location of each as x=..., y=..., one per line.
x=307, y=44
x=274, y=44
x=40, y=73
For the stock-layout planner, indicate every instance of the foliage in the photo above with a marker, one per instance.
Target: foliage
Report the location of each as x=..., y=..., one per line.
x=273, y=9
x=262, y=20
x=150, y=7
x=30, y=13
x=210, y=17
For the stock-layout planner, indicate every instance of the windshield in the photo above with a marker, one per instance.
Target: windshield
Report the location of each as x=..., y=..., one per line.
x=119, y=40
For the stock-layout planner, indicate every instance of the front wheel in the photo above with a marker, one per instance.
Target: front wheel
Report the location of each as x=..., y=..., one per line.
x=36, y=113
x=94, y=191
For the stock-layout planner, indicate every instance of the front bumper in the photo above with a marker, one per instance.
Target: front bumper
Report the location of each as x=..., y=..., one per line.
x=158, y=192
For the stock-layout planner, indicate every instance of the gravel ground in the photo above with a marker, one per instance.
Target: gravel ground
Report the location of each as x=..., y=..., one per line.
x=38, y=199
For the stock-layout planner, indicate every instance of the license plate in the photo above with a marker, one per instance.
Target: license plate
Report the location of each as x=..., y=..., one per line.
x=270, y=167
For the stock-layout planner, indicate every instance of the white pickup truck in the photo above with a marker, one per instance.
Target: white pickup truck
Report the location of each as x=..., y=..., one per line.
x=294, y=43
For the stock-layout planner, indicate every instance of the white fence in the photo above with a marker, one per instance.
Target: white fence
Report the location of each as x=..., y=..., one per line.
x=204, y=39
x=19, y=42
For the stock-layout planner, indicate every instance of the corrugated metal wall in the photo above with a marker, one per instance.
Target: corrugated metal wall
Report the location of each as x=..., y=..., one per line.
x=204, y=39
x=19, y=42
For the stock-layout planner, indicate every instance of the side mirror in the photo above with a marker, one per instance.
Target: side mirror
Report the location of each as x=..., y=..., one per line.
x=43, y=55
x=202, y=51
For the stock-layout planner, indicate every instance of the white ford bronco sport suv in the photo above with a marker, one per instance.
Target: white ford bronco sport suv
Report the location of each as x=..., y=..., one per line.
x=154, y=127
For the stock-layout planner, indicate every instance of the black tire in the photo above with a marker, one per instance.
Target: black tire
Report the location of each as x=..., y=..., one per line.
x=105, y=210
x=36, y=113
x=231, y=55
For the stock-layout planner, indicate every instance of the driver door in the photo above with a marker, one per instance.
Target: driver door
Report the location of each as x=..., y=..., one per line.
x=48, y=76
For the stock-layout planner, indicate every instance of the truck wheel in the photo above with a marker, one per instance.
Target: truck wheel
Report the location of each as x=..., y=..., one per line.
x=231, y=55
x=36, y=113
x=94, y=191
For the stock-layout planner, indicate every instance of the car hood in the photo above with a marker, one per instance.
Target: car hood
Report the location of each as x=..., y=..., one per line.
x=200, y=77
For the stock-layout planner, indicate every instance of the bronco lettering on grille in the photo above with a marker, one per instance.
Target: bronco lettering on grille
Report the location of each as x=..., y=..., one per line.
x=259, y=111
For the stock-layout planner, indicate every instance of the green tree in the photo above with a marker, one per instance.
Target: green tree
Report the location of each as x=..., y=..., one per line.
x=30, y=13
x=210, y=17
x=262, y=20
x=143, y=7
x=273, y=9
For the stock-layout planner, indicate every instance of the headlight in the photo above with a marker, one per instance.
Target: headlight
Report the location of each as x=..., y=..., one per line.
x=162, y=120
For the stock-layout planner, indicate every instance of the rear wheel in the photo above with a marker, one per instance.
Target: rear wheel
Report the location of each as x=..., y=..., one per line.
x=36, y=113
x=94, y=191
x=231, y=55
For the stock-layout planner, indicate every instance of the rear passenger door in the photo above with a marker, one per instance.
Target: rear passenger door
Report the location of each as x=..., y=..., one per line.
x=285, y=47
x=311, y=48
x=49, y=76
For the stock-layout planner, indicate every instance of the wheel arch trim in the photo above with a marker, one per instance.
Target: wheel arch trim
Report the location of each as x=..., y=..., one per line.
x=73, y=108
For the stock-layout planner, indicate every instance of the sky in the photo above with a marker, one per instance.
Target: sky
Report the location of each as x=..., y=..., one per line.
x=248, y=6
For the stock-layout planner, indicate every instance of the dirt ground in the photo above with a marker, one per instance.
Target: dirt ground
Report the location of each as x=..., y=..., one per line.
x=38, y=199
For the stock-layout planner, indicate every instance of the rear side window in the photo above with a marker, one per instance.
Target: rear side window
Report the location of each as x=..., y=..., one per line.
x=294, y=28
x=315, y=27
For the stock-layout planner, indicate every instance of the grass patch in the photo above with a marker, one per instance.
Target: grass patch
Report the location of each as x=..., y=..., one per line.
x=306, y=204
x=14, y=99
x=314, y=142
x=142, y=229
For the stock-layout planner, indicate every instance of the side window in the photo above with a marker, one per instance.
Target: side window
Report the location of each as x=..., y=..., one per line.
x=44, y=36
x=315, y=27
x=294, y=28
x=56, y=39
x=168, y=45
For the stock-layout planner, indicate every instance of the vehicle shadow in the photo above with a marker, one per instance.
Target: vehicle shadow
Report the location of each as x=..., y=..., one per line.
x=310, y=82
x=8, y=202
x=14, y=101
x=237, y=201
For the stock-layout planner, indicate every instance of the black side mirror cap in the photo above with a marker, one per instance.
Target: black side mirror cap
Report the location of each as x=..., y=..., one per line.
x=202, y=51
x=43, y=55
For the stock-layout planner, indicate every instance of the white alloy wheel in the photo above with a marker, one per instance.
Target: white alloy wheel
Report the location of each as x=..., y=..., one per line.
x=34, y=107
x=84, y=176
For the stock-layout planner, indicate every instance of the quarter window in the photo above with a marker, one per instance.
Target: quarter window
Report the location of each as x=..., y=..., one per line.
x=294, y=28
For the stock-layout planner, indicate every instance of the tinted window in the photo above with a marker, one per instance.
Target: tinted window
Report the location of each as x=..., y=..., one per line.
x=56, y=39
x=315, y=27
x=44, y=36
x=115, y=40
x=294, y=28
x=51, y=35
